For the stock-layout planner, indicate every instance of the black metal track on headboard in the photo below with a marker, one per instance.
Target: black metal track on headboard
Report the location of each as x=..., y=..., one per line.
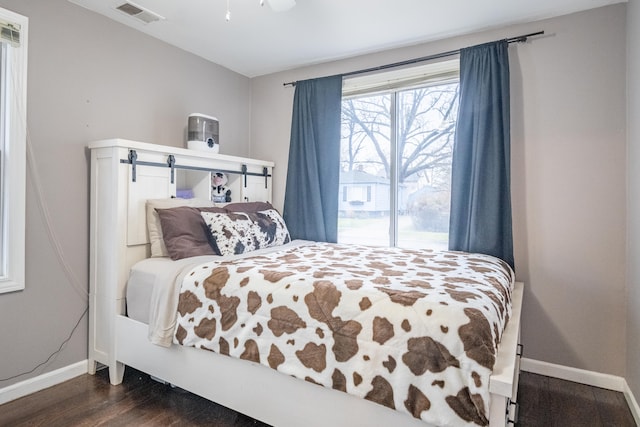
x=171, y=163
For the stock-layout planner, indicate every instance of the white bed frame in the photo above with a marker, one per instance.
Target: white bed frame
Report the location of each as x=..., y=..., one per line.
x=118, y=239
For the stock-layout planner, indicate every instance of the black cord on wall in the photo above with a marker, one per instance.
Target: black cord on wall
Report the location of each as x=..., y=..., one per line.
x=74, y=282
x=52, y=354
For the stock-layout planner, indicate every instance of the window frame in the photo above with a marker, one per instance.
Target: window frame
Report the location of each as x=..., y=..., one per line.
x=13, y=146
x=393, y=83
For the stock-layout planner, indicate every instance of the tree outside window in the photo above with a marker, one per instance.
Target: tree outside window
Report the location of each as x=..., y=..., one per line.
x=410, y=132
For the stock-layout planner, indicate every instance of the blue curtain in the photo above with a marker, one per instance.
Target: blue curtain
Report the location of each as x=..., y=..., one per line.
x=311, y=196
x=480, y=218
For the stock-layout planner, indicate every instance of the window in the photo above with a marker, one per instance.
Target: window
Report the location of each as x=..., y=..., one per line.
x=13, y=129
x=396, y=147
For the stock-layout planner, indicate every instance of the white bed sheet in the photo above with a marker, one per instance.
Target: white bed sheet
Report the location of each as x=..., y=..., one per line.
x=154, y=285
x=143, y=277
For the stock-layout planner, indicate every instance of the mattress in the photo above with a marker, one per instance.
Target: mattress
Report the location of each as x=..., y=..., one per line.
x=146, y=274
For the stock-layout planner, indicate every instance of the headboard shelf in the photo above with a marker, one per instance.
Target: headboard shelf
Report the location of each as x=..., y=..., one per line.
x=132, y=160
x=177, y=151
x=118, y=228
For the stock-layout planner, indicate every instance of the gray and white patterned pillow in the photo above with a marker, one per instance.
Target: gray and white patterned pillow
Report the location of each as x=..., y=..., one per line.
x=240, y=232
x=271, y=228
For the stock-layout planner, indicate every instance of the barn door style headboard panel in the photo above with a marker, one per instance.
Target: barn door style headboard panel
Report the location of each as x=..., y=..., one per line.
x=124, y=175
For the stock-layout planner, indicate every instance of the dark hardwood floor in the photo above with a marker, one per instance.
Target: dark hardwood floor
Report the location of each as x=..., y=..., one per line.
x=140, y=401
x=92, y=401
x=546, y=401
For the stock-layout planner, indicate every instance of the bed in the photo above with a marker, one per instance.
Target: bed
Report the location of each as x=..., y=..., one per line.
x=120, y=251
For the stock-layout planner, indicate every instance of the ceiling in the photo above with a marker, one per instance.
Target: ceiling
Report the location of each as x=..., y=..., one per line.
x=258, y=40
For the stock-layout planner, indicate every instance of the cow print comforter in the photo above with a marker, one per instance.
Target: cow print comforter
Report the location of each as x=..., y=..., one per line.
x=413, y=330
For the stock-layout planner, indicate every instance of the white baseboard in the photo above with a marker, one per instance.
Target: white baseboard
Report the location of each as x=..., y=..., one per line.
x=632, y=402
x=596, y=379
x=43, y=381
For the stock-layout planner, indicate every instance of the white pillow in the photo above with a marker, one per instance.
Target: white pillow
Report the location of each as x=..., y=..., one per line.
x=154, y=228
x=231, y=231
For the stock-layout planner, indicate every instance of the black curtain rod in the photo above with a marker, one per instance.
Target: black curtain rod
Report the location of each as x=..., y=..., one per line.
x=518, y=39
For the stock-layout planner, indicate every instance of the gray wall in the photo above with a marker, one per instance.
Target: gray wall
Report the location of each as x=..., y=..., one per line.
x=633, y=281
x=569, y=185
x=91, y=78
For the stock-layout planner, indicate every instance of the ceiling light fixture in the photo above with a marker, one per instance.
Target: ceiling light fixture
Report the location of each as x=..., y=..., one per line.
x=276, y=6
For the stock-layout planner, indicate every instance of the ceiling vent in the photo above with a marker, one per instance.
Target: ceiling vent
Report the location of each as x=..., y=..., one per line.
x=139, y=12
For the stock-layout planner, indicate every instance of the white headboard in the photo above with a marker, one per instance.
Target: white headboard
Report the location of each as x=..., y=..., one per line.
x=124, y=174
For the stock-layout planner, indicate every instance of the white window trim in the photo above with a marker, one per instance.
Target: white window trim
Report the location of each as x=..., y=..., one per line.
x=435, y=73
x=14, y=160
